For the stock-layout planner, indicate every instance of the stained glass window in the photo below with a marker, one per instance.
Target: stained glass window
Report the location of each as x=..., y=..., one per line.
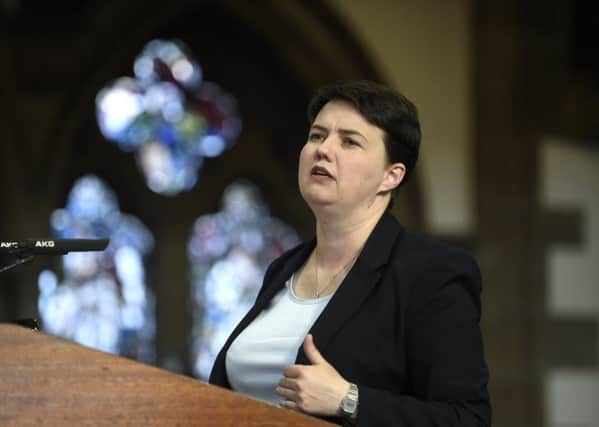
x=168, y=116
x=229, y=252
x=100, y=299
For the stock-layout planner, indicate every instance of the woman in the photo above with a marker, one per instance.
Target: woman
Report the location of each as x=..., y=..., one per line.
x=368, y=323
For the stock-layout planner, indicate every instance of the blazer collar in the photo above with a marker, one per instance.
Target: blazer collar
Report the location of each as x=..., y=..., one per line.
x=378, y=246
x=375, y=254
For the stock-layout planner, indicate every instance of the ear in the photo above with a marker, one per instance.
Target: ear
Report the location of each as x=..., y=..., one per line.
x=394, y=175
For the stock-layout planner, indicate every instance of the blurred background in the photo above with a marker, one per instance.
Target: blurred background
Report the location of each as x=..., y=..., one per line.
x=174, y=129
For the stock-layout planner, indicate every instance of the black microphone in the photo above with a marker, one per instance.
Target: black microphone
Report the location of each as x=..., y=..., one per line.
x=51, y=246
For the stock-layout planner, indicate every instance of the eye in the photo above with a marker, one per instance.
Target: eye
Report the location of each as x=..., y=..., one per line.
x=315, y=136
x=349, y=141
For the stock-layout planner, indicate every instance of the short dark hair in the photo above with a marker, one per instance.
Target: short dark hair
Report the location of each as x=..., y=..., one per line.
x=385, y=108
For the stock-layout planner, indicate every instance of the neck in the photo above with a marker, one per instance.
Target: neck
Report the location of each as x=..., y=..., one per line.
x=340, y=238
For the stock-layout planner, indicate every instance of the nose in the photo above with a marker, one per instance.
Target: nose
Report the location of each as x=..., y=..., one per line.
x=325, y=148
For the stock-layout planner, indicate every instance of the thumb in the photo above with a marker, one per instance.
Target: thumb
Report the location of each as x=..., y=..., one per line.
x=312, y=352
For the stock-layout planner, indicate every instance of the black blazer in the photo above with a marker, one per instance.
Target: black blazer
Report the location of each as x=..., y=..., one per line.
x=403, y=326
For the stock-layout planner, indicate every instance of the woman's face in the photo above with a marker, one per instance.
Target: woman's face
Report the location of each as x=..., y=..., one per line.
x=344, y=163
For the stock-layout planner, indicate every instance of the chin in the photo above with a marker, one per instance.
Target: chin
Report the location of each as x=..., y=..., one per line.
x=320, y=204
x=317, y=198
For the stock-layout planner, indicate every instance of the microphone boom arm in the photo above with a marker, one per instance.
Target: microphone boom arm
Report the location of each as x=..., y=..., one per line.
x=25, y=250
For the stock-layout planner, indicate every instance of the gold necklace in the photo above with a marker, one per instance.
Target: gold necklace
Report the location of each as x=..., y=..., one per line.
x=318, y=293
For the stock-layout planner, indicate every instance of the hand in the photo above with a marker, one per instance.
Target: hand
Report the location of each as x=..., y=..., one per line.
x=315, y=389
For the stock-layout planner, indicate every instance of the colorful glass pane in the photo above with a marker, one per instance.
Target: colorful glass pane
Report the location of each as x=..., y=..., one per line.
x=168, y=116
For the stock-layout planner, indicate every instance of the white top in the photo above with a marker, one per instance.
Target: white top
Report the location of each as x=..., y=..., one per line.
x=257, y=357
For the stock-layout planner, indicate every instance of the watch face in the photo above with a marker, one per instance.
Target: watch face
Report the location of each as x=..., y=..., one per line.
x=349, y=405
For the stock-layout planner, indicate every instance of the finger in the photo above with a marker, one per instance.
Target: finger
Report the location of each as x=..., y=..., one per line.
x=292, y=371
x=312, y=352
x=288, y=404
x=286, y=393
x=288, y=383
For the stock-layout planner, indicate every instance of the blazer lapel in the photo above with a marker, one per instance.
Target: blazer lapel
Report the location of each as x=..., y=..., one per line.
x=357, y=285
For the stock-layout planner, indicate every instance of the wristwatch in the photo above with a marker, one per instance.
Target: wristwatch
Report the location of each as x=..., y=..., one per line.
x=349, y=403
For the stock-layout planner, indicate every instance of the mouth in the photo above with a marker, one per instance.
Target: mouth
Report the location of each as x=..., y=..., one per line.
x=320, y=171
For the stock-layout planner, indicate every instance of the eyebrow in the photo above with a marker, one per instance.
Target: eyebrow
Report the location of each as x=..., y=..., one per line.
x=343, y=131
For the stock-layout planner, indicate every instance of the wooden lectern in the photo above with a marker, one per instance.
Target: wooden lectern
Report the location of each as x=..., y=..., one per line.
x=50, y=381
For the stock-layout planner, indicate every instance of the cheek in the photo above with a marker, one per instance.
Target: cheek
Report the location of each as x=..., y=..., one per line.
x=305, y=155
x=303, y=160
x=364, y=174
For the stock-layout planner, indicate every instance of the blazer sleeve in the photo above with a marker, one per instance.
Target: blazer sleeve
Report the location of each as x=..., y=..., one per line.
x=446, y=365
